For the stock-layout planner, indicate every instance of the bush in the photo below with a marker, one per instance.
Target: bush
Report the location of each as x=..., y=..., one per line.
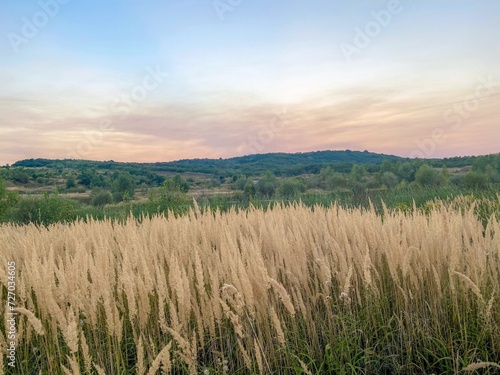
x=475, y=180
x=47, y=210
x=101, y=198
x=7, y=200
x=428, y=176
x=457, y=180
x=290, y=187
x=124, y=183
x=70, y=182
x=170, y=196
x=20, y=176
x=389, y=179
x=267, y=184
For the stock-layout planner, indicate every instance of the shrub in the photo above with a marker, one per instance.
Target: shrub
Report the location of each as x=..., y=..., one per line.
x=101, y=198
x=475, y=180
x=47, y=210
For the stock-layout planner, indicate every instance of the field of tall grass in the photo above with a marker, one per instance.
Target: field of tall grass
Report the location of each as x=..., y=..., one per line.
x=288, y=290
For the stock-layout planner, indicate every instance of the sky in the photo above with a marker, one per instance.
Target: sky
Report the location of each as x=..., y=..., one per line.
x=155, y=80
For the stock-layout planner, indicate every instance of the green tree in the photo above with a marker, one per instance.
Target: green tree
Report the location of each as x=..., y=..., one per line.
x=91, y=179
x=249, y=189
x=101, y=198
x=428, y=176
x=48, y=210
x=181, y=183
x=7, y=200
x=290, y=187
x=123, y=183
x=172, y=195
x=492, y=174
x=325, y=173
x=445, y=174
x=358, y=173
x=20, y=176
x=176, y=183
x=406, y=171
x=70, y=182
x=267, y=184
x=239, y=183
x=389, y=179
x=475, y=180
x=325, y=178
x=387, y=166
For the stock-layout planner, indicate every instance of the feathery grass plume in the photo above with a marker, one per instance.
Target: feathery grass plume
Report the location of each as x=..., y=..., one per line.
x=99, y=369
x=258, y=356
x=235, y=319
x=163, y=360
x=176, y=283
x=174, y=319
x=304, y=367
x=139, y=367
x=277, y=326
x=453, y=290
x=87, y=358
x=489, y=307
x=194, y=345
x=130, y=291
x=143, y=303
x=70, y=333
x=75, y=369
x=186, y=353
x=347, y=284
x=437, y=280
x=233, y=296
x=367, y=268
x=117, y=323
x=480, y=365
x=246, y=356
x=405, y=267
x=283, y=294
x=472, y=286
x=33, y=320
x=200, y=279
x=53, y=309
x=199, y=325
x=162, y=291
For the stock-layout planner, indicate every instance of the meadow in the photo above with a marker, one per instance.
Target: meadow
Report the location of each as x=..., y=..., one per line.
x=295, y=289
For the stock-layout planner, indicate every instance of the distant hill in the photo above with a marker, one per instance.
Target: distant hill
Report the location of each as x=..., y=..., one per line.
x=279, y=163
x=282, y=164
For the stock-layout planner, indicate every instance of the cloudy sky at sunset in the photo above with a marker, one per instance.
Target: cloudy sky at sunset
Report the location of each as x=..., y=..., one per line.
x=172, y=79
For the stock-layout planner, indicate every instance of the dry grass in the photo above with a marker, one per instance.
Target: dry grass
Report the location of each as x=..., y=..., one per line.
x=282, y=290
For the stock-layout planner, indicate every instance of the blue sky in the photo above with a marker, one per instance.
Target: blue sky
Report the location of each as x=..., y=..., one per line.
x=424, y=82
